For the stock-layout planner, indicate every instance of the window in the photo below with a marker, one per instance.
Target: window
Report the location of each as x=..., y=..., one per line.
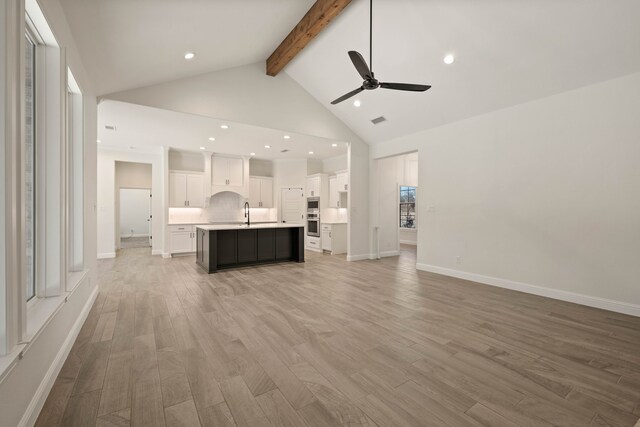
x=75, y=172
x=30, y=167
x=407, y=207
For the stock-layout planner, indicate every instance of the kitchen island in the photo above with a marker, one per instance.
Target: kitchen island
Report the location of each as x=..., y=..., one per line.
x=227, y=246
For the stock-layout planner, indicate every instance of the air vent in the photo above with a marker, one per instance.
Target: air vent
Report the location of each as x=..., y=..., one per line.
x=284, y=151
x=109, y=127
x=379, y=120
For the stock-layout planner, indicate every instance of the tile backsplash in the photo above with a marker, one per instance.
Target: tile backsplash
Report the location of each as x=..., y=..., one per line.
x=222, y=207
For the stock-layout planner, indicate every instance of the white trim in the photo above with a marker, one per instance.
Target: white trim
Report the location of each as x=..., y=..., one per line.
x=166, y=255
x=408, y=242
x=125, y=236
x=591, y=301
x=156, y=252
x=40, y=396
x=360, y=257
x=105, y=255
x=389, y=253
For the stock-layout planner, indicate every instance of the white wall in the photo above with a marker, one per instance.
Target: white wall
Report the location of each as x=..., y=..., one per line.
x=108, y=236
x=542, y=197
x=259, y=167
x=247, y=95
x=135, y=208
x=337, y=163
x=184, y=161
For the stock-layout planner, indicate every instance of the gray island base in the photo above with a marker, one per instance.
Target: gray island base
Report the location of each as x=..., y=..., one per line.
x=227, y=246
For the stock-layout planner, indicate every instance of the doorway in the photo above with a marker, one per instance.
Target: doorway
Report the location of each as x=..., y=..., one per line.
x=397, y=213
x=135, y=218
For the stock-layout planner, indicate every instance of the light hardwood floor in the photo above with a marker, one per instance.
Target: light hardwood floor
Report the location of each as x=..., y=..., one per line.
x=329, y=343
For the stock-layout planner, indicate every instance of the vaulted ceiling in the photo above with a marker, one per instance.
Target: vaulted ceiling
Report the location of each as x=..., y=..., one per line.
x=507, y=51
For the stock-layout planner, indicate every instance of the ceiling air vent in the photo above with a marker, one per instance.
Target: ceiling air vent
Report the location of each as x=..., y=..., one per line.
x=378, y=120
x=284, y=151
x=109, y=127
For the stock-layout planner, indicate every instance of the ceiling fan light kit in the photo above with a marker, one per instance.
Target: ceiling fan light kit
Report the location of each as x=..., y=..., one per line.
x=366, y=71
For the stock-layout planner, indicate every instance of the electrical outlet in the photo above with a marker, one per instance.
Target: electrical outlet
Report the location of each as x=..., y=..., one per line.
x=458, y=259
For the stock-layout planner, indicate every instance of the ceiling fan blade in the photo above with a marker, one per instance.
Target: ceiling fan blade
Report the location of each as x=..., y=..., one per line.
x=361, y=65
x=347, y=96
x=405, y=86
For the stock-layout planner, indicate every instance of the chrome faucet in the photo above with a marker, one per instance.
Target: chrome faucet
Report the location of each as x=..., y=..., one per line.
x=247, y=213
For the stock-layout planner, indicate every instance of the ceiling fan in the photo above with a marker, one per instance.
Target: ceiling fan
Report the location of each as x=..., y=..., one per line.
x=366, y=72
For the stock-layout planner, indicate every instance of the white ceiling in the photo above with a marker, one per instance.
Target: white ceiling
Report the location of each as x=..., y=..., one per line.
x=127, y=44
x=141, y=128
x=507, y=52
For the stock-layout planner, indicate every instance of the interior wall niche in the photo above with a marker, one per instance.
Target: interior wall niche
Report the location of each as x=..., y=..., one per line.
x=186, y=161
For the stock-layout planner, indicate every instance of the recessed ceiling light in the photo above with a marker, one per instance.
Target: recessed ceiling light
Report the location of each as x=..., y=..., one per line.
x=189, y=55
x=449, y=59
x=98, y=141
x=357, y=103
x=267, y=146
x=334, y=145
x=202, y=148
x=253, y=154
x=131, y=148
x=287, y=137
x=310, y=152
x=224, y=126
x=211, y=138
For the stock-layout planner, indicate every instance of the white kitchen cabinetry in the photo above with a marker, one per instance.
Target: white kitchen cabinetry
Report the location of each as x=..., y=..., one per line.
x=334, y=238
x=313, y=186
x=186, y=190
x=227, y=171
x=338, y=190
x=182, y=239
x=261, y=192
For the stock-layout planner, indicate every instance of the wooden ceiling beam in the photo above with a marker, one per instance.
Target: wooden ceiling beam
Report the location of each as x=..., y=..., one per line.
x=321, y=13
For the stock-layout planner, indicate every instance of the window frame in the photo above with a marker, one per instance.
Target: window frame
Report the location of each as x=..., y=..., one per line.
x=409, y=189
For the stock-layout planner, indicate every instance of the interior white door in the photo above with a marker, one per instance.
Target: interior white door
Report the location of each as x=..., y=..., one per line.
x=292, y=202
x=135, y=212
x=195, y=191
x=236, y=171
x=177, y=190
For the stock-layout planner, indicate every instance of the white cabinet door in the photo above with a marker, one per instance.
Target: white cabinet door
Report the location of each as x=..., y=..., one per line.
x=193, y=241
x=254, y=192
x=181, y=242
x=313, y=187
x=236, y=171
x=219, y=170
x=326, y=240
x=177, y=190
x=266, y=193
x=342, y=182
x=195, y=191
x=333, y=192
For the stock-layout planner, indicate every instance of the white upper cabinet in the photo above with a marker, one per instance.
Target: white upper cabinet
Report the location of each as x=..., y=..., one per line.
x=227, y=171
x=195, y=190
x=260, y=192
x=313, y=186
x=342, y=181
x=186, y=190
x=333, y=192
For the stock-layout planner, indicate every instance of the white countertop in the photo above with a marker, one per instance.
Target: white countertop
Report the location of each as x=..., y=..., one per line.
x=245, y=227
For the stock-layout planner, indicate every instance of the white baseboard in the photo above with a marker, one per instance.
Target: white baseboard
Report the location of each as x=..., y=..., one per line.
x=156, y=252
x=358, y=257
x=166, y=255
x=106, y=255
x=590, y=301
x=384, y=254
x=39, y=398
x=409, y=242
x=124, y=236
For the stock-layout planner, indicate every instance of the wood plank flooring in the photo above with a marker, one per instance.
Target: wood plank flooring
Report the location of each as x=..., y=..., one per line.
x=331, y=343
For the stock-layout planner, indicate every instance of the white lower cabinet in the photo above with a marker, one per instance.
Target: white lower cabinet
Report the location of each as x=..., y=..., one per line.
x=182, y=239
x=313, y=243
x=334, y=238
